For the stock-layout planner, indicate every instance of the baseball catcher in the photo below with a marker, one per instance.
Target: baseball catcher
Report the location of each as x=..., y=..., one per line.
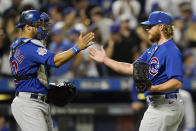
x=29, y=60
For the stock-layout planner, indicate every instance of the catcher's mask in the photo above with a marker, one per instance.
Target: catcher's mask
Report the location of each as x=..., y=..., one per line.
x=36, y=19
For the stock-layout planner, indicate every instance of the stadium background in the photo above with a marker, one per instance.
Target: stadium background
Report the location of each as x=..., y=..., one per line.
x=106, y=100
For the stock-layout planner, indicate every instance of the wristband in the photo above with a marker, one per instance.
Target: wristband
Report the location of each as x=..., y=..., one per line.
x=75, y=49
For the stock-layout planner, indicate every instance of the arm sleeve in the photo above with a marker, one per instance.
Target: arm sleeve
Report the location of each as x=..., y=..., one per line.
x=41, y=55
x=174, y=66
x=143, y=57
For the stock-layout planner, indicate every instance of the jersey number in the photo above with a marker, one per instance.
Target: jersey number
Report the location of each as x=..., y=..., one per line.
x=14, y=65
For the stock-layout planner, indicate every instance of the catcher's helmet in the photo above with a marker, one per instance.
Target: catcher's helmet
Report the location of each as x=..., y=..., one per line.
x=36, y=19
x=32, y=18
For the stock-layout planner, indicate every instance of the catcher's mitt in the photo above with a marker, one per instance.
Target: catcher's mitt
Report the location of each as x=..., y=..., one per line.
x=140, y=76
x=61, y=94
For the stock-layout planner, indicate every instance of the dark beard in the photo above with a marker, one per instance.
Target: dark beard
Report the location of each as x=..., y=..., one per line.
x=155, y=37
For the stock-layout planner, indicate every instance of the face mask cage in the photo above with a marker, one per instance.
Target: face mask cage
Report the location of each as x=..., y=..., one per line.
x=43, y=29
x=42, y=24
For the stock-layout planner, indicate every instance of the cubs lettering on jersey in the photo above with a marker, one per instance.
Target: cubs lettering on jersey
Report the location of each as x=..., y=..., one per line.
x=154, y=66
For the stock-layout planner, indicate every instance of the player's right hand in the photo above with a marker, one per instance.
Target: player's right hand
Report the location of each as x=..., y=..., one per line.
x=137, y=106
x=85, y=41
x=97, y=55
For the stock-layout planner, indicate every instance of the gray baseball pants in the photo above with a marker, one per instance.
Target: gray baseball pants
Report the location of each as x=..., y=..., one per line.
x=162, y=114
x=31, y=114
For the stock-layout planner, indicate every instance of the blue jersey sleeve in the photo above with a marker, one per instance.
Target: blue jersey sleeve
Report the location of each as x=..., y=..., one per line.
x=143, y=57
x=40, y=55
x=174, y=66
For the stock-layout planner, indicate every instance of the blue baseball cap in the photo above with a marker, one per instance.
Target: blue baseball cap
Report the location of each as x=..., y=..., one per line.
x=68, y=10
x=187, y=53
x=115, y=27
x=72, y=31
x=55, y=31
x=158, y=17
x=193, y=18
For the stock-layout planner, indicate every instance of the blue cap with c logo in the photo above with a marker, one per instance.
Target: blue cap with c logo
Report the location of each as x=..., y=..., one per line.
x=158, y=17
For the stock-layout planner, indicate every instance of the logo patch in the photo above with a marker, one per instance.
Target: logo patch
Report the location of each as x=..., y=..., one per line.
x=30, y=16
x=154, y=66
x=41, y=51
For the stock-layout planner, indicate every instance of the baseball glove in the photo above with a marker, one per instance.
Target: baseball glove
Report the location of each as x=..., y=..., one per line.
x=61, y=94
x=140, y=76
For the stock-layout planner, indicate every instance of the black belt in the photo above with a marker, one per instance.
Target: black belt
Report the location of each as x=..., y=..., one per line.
x=25, y=77
x=35, y=96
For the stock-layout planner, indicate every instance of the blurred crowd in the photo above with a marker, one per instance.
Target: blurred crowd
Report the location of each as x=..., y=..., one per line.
x=116, y=24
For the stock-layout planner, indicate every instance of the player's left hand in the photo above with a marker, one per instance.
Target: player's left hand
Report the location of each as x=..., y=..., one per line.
x=85, y=41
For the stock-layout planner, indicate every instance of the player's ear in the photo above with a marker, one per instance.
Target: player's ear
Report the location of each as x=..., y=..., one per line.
x=161, y=26
x=30, y=28
x=27, y=27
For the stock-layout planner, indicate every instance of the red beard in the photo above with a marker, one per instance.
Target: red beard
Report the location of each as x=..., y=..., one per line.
x=154, y=37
